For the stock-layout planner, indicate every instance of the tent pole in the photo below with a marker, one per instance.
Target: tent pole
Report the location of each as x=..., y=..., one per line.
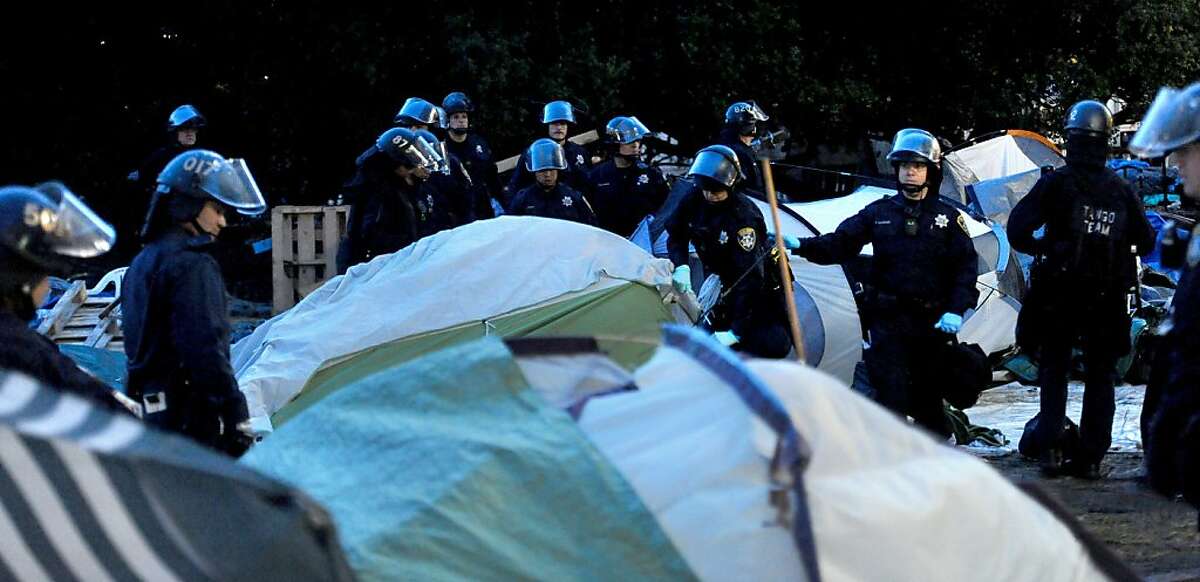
x=785, y=273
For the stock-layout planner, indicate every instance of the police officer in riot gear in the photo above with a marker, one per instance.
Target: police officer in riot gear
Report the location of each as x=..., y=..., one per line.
x=922, y=279
x=452, y=183
x=182, y=133
x=558, y=116
x=463, y=142
x=176, y=317
x=624, y=189
x=731, y=239
x=741, y=127
x=1172, y=127
x=41, y=230
x=1080, y=284
x=392, y=204
x=549, y=196
x=417, y=113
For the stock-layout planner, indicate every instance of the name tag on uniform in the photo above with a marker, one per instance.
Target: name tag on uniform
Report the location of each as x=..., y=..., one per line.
x=155, y=402
x=883, y=222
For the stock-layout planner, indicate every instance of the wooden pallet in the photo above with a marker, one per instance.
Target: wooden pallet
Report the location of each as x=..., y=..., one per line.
x=81, y=319
x=304, y=247
x=507, y=164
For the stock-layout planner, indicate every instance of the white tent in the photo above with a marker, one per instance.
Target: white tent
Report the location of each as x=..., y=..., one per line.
x=758, y=470
x=461, y=277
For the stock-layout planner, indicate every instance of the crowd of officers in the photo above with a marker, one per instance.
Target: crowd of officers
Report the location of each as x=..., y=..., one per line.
x=434, y=171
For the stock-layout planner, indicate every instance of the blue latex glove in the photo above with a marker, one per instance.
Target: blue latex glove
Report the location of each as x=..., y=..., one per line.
x=949, y=323
x=681, y=279
x=789, y=242
x=727, y=338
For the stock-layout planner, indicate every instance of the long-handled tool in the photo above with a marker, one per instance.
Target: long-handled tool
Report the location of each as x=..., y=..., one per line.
x=785, y=273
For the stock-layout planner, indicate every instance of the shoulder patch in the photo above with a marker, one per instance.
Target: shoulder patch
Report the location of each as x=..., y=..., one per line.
x=962, y=223
x=747, y=238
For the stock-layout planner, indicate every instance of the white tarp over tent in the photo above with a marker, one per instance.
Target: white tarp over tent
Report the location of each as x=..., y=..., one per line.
x=1004, y=154
x=468, y=274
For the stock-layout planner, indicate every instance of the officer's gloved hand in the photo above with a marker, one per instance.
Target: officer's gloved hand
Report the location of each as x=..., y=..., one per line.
x=790, y=242
x=681, y=279
x=949, y=323
x=236, y=436
x=727, y=338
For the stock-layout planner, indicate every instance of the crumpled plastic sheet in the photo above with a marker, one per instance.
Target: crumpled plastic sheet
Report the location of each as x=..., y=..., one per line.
x=1010, y=406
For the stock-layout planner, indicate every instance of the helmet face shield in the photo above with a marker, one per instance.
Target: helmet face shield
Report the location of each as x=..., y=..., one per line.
x=185, y=116
x=717, y=163
x=71, y=230
x=545, y=154
x=417, y=111
x=1173, y=121
x=626, y=130
x=915, y=145
x=231, y=184
x=429, y=153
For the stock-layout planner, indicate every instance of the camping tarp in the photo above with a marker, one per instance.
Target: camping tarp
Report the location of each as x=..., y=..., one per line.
x=470, y=275
x=1006, y=154
x=698, y=464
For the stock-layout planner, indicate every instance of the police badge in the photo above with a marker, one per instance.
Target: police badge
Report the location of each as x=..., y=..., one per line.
x=746, y=238
x=724, y=238
x=643, y=179
x=566, y=201
x=579, y=159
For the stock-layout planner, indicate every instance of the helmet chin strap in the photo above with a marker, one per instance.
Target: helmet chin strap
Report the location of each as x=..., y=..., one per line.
x=913, y=188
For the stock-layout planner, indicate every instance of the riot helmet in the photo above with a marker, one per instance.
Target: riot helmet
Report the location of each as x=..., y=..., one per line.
x=1089, y=117
x=558, y=111
x=545, y=154
x=429, y=142
x=197, y=176
x=185, y=117
x=457, y=102
x=1171, y=123
x=625, y=130
x=717, y=168
x=745, y=116
x=417, y=111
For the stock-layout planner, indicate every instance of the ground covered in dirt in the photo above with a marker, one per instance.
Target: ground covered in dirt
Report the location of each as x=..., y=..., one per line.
x=1156, y=536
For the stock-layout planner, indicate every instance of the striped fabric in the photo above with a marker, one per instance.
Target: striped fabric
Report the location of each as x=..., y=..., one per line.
x=89, y=495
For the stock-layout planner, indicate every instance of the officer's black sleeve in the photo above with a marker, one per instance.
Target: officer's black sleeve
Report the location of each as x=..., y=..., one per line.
x=1027, y=217
x=200, y=330
x=516, y=205
x=40, y=359
x=963, y=262
x=678, y=236
x=589, y=214
x=518, y=181
x=844, y=243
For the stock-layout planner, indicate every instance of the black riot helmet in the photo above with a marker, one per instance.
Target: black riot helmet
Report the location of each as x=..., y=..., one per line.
x=1089, y=117
x=457, y=102
x=717, y=168
x=46, y=226
x=558, y=111
x=917, y=145
x=185, y=117
x=42, y=229
x=195, y=177
x=624, y=130
x=745, y=116
x=1171, y=123
x=417, y=111
x=545, y=154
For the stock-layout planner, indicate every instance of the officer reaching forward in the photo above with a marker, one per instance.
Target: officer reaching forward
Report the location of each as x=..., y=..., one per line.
x=730, y=237
x=922, y=279
x=176, y=318
x=1080, y=284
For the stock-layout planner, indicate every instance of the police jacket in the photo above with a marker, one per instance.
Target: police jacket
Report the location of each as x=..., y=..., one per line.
x=457, y=191
x=579, y=164
x=622, y=197
x=476, y=156
x=177, y=328
x=26, y=351
x=746, y=158
x=382, y=217
x=562, y=202
x=924, y=261
x=731, y=240
x=1091, y=220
